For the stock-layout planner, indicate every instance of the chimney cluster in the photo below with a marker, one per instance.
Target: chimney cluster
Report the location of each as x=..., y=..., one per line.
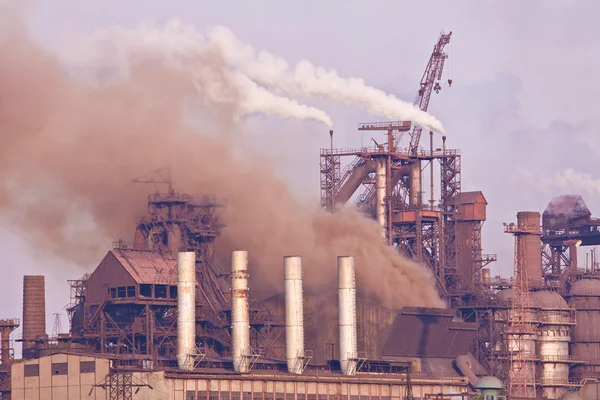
x=294, y=313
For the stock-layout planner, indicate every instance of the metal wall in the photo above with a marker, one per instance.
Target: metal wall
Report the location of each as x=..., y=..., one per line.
x=34, y=312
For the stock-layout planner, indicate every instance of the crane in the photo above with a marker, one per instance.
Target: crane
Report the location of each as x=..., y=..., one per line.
x=430, y=82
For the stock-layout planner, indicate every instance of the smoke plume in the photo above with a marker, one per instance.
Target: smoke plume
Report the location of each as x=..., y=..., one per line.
x=70, y=149
x=177, y=41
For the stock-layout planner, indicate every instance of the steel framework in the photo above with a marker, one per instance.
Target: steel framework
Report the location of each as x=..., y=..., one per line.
x=522, y=324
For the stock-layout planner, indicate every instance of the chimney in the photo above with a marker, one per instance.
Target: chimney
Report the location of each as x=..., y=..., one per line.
x=381, y=193
x=240, y=314
x=347, y=314
x=294, y=314
x=34, y=313
x=186, y=309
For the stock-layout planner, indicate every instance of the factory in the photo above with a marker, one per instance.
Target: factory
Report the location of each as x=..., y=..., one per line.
x=161, y=318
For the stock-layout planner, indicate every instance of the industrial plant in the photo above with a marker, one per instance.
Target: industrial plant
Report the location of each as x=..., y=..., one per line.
x=161, y=318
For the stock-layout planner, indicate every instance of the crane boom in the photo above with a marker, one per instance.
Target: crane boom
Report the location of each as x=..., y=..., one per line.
x=429, y=83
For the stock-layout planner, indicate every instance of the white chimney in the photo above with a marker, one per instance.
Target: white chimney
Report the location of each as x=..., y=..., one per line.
x=186, y=309
x=347, y=317
x=380, y=194
x=240, y=314
x=294, y=314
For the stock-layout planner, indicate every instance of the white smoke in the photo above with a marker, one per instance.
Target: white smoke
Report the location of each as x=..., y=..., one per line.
x=308, y=79
x=260, y=78
x=569, y=179
x=178, y=45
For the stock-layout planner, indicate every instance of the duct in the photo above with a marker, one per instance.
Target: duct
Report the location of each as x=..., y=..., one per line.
x=294, y=314
x=34, y=312
x=463, y=363
x=415, y=183
x=380, y=192
x=240, y=314
x=347, y=314
x=531, y=244
x=186, y=309
x=356, y=178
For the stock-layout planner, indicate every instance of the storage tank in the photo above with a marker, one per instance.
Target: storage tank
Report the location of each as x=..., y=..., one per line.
x=556, y=319
x=584, y=296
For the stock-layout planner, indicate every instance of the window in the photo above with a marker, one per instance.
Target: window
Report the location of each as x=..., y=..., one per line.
x=225, y=395
x=59, y=368
x=300, y=396
x=121, y=292
x=173, y=292
x=213, y=395
x=189, y=395
x=160, y=291
x=235, y=395
x=202, y=395
x=113, y=292
x=268, y=395
x=32, y=370
x=289, y=396
x=247, y=396
x=86, y=367
x=130, y=291
x=257, y=396
x=146, y=290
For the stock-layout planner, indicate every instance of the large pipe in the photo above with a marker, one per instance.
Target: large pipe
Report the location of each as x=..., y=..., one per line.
x=186, y=309
x=294, y=314
x=380, y=193
x=34, y=312
x=347, y=314
x=415, y=183
x=240, y=314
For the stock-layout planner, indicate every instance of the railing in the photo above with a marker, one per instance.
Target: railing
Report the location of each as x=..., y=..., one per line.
x=560, y=382
x=560, y=358
x=393, y=125
x=202, y=200
x=398, y=151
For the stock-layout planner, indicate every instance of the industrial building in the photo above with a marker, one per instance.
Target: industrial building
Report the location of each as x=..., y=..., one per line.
x=160, y=319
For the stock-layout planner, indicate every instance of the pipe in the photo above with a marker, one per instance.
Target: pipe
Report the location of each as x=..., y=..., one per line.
x=415, y=184
x=347, y=314
x=186, y=309
x=240, y=314
x=34, y=313
x=294, y=314
x=431, y=194
x=380, y=192
x=464, y=366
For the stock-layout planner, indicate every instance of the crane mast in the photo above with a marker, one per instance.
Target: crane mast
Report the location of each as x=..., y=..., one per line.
x=429, y=83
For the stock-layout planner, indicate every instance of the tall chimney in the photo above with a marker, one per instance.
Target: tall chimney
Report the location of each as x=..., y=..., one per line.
x=347, y=314
x=240, y=314
x=34, y=312
x=294, y=314
x=531, y=244
x=186, y=309
x=380, y=194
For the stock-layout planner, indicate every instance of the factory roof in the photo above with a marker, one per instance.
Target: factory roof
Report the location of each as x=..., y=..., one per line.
x=489, y=382
x=147, y=267
x=470, y=198
x=567, y=205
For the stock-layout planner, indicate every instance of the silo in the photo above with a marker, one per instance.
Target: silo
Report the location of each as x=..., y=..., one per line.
x=556, y=319
x=584, y=296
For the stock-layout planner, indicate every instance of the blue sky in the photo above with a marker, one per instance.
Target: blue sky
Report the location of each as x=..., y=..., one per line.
x=522, y=107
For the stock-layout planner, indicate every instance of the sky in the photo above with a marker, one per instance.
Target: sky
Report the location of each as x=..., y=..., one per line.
x=522, y=107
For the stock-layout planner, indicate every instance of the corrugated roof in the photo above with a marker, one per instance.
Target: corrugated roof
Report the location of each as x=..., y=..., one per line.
x=147, y=266
x=470, y=197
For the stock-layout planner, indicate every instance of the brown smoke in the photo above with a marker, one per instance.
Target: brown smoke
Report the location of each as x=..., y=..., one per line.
x=69, y=151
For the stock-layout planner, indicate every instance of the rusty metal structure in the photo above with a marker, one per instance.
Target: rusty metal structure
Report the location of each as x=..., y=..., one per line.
x=385, y=182
x=128, y=304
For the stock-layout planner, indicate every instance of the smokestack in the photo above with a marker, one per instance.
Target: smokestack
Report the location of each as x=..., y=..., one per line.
x=240, y=314
x=380, y=193
x=531, y=244
x=186, y=309
x=294, y=314
x=34, y=312
x=347, y=311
